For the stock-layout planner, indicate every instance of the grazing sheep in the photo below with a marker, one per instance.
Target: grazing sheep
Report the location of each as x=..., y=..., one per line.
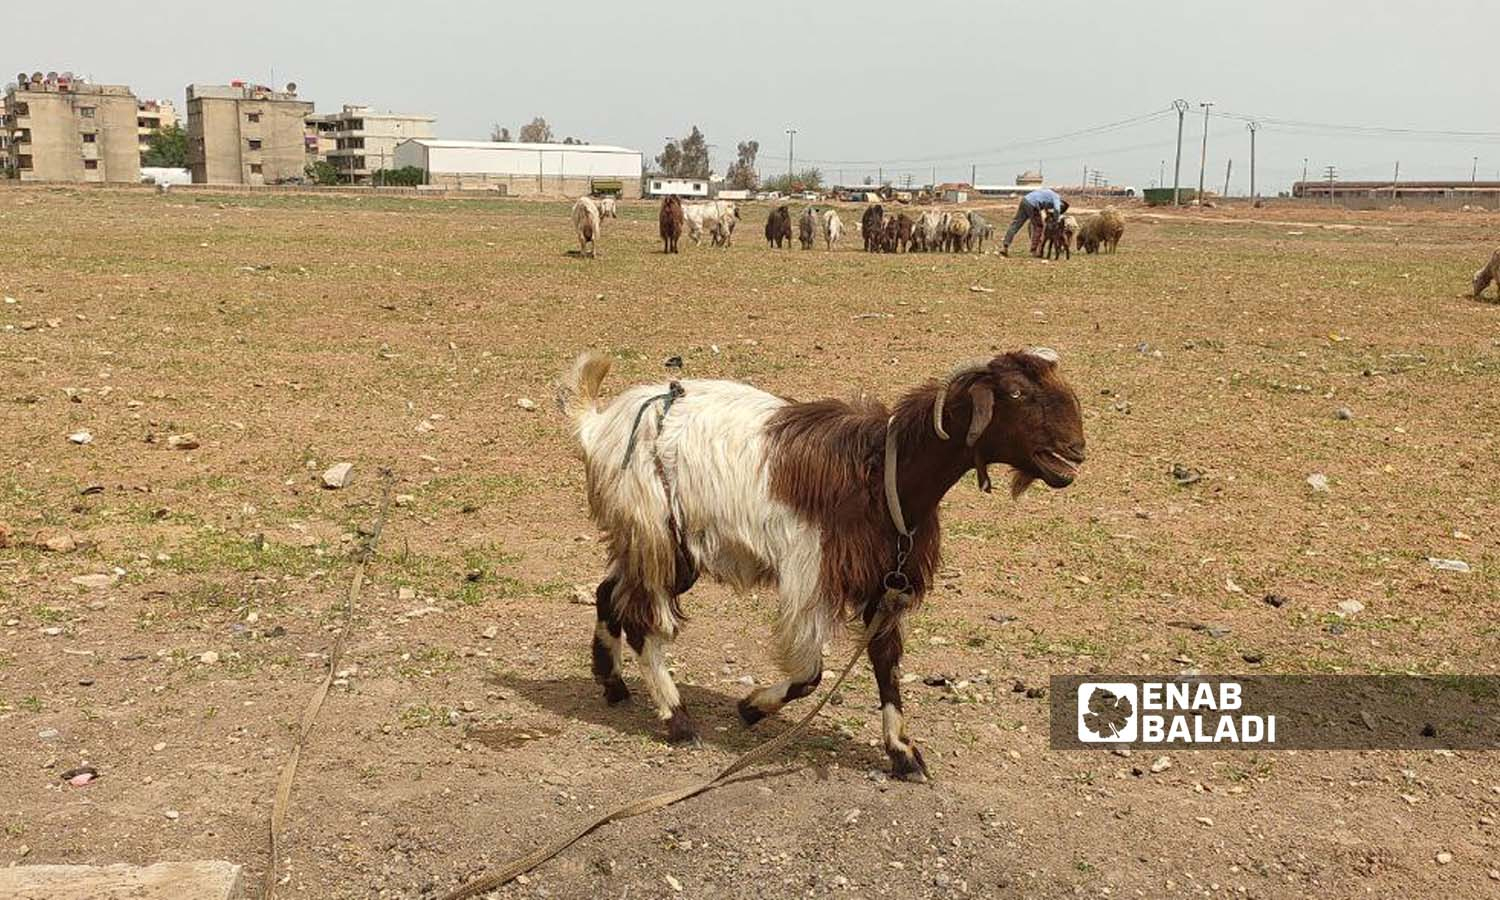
x=709, y=215
x=1488, y=275
x=833, y=227
x=807, y=228
x=903, y=232
x=670, y=220
x=1070, y=228
x=1101, y=231
x=779, y=227
x=872, y=225
x=957, y=236
x=586, y=223
x=810, y=501
x=979, y=229
x=1054, y=237
x=929, y=230
x=721, y=230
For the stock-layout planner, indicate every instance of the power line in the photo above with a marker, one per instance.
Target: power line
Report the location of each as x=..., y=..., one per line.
x=1367, y=130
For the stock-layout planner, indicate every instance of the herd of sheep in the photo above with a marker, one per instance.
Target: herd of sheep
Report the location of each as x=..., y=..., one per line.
x=932, y=231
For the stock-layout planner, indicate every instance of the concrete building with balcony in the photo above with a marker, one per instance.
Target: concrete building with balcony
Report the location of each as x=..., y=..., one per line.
x=62, y=128
x=364, y=141
x=241, y=133
x=152, y=116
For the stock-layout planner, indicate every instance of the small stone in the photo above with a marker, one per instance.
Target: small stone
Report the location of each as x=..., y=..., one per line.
x=208, y=657
x=673, y=883
x=1444, y=858
x=1253, y=657
x=52, y=631
x=529, y=405
x=172, y=814
x=1120, y=750
x=489, y=633
x=55, y=542
x=406, y=594
x=93, y=582
x=1205, y=821
x=424, y=426
x=81, y=438
x=1494, y=874
x=185, y=441
x=158, y=747
x=405, y=499
x=1448, y=565
x=338, y=476
x=1318, y=482
x=1343, y=414
x=1350, y=608
x=1162, y=764
x=1277, y=600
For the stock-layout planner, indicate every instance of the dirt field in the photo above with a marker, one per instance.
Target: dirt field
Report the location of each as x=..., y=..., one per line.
x=290, y=333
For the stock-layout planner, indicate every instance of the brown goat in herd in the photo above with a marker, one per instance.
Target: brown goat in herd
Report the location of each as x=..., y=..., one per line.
x=670, y=219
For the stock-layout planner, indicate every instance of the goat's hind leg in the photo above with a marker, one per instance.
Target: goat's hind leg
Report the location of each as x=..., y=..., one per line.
x=650, y=623
x=608, y=649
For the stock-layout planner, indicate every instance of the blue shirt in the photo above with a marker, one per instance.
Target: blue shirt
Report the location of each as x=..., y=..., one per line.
x=1044, y=197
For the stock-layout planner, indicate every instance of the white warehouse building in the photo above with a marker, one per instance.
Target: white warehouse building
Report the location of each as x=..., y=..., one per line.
x=570, y=170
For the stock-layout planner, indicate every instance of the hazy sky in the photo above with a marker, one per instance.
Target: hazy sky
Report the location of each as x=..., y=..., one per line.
x=901, y=86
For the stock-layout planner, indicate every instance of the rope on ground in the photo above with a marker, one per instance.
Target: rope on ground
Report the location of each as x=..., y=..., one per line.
x=524, y=864
x=315, y=703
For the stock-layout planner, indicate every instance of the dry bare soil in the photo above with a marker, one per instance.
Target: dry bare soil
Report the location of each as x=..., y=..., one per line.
x=289, y=333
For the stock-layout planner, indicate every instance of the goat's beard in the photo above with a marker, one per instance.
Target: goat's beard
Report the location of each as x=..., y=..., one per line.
x=1019, y=482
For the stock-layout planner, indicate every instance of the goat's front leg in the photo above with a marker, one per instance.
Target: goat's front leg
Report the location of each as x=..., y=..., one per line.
x=885, y=655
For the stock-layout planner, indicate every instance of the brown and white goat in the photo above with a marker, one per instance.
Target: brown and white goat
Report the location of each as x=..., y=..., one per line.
x=758, y=491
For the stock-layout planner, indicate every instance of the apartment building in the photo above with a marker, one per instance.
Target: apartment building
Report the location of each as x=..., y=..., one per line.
x=364, y=141
x=62, y=128
x=152, y=116
x=241, y=133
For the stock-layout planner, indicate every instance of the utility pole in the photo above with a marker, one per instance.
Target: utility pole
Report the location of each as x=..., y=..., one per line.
x=1252, y=127
x=791, y=140
x=1161, y=178
x=974, y=174
x=1395, y=178
x=1474, y=172
x=1330, y=172
x=1304, y=170
x=1181, y=106
x=1203, y=160
x=1227, y=169
x=1085, y=182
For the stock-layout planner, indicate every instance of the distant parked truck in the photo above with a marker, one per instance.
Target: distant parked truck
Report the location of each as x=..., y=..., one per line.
x=666, y=186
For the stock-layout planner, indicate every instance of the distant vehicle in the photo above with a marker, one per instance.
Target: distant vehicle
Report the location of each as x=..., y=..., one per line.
x=808, y=195
x=773, y=195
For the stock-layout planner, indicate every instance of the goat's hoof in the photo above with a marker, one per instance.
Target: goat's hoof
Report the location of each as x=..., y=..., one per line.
x=749, y=712
x=681, y=731
x=910, y=766
x=615, y=691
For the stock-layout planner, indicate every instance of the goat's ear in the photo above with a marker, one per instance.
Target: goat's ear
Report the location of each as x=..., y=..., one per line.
x=984, y=409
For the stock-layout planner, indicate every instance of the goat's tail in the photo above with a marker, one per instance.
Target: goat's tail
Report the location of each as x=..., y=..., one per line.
x=578, y=389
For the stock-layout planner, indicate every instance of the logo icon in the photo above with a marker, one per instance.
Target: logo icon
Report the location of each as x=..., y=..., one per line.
x=1108, y=712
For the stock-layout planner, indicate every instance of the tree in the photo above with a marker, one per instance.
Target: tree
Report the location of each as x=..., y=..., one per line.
x=499, y=134
x=810, y=179
x=687, y=158
x=322, y=172
x=537, y=131
x=406, y=176
x=167, y=148
x=741, y=174
x=669, y=161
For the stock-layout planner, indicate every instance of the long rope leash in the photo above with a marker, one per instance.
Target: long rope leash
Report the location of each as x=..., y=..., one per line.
x=524, y=864
x=897, y=593
x=315, y=702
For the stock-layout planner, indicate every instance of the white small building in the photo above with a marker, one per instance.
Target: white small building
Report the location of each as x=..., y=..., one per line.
x=667, y=186
x=568, y=170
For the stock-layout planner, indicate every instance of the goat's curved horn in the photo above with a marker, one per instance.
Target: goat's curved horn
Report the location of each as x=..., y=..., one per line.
x=1044, y=353
x=978, y=365
x=984, y=409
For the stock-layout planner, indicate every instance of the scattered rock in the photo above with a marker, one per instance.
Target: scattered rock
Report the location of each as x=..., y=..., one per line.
x=55, y=541
x=405, y=499
x=490, y=633
x=172, y=814
x=406, y=594
x=80, y=776
x=81, y=438
x=1161, y=764
x=936, y=681
x=1448, y=565
x=1036, y=693
x=184, y=441
x=208, y=657
x=424, y=426
x=93, y=582
x=1350, y=608
x=1277, y=600
x=1318, y=482
x=529, y=405
x=980, y=289
x=1343, y=414
x=673, y=883
x=1336, y=628
x=338, y=476
x=1183, y=476
x=1444, y=858
x=1205, y=821
x=1253, y=657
